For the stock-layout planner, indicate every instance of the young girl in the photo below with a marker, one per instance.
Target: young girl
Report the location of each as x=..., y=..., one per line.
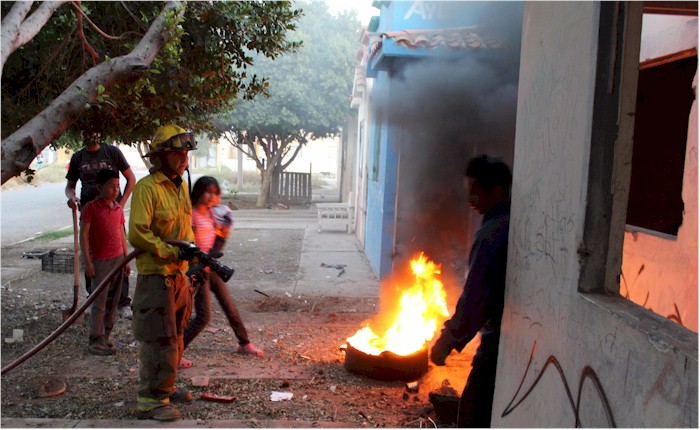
x=206, y=194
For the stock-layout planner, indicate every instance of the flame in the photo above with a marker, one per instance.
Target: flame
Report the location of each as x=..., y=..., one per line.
x=420, y=308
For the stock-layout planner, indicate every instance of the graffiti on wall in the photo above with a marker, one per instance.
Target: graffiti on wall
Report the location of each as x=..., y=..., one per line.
x=542, y=229
x=629, y=288
x=587, y=374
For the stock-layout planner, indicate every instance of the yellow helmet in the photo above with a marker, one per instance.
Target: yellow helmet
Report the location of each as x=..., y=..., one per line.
x=171, y=138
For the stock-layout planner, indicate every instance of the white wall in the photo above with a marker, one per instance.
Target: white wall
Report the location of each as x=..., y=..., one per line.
x=667, y=34
x=617, y=356
x=321, y=155
x=133, y=157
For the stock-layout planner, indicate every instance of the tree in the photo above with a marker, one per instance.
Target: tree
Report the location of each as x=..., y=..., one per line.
x=308, y=94
x=17, y=29
x=205, y=147
x=125, y=68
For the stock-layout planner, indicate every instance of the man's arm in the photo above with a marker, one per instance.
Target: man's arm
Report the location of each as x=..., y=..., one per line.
x=469, y=317
x=73, y=200
x=471, y=312
x=130, y=182
x=72, y=177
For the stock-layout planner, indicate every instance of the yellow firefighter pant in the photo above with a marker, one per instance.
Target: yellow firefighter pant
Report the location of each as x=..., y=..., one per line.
x=162, y=306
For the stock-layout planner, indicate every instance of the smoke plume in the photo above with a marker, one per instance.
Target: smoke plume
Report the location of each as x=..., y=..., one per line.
x=443, y=112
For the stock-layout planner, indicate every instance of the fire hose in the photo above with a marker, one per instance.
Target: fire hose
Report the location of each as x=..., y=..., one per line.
x=205, y=260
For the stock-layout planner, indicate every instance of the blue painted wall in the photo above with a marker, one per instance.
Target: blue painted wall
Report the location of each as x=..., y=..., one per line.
x=428, y=15
x=381, y=195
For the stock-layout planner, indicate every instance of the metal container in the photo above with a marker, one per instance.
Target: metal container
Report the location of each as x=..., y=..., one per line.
x=446, y=407
x=387, y=366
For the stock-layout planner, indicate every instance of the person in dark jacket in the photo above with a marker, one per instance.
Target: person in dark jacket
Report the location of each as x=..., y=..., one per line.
x=480, y=307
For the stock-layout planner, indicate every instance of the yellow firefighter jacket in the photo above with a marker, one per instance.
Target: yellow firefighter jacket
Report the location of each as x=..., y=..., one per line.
x=160, y=211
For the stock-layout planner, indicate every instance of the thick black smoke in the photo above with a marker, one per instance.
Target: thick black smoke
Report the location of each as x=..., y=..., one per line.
x=445, y=111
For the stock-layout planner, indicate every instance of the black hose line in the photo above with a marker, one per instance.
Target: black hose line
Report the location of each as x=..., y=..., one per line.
x=91, y=298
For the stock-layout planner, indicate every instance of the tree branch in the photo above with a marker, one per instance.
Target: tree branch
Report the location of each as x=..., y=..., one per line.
x=250, y=143
x=17, y=31
x=289, y=161
x=45, y=65
x=135, y=18
x=23, y=145
x=265, y=148
x=76, y=5
x=239, y=142
x=81, y=35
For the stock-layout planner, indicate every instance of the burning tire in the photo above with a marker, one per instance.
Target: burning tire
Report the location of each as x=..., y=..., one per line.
x=387, y=366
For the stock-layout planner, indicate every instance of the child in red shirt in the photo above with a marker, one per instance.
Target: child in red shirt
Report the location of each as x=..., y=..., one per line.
x=103, y=244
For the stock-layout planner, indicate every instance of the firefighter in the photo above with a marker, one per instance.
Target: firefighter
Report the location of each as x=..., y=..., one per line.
x=161, y=210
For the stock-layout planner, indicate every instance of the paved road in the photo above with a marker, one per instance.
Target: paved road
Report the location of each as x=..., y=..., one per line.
x=34, y=209
x=30, y=210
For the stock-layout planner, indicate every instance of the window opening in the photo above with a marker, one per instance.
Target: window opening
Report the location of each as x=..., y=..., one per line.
x=376, y=146
x=659, y=256
x=664, y=98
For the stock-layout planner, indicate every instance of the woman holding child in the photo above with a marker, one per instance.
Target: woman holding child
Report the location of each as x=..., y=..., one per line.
x=211, y=222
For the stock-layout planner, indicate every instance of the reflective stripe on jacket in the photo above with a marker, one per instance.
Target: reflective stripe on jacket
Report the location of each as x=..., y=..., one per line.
x=160, y=211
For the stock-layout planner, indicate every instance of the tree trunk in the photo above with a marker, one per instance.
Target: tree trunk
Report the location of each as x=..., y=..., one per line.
x=22, y=146
x=264, y=187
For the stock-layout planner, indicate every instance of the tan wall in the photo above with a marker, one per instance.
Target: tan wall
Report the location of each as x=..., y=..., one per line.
x=564, y=353
x=63, y=156
x=661, y=272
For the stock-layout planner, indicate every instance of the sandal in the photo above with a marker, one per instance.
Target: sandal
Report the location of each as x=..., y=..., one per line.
x=165, y=412
x=185, y=363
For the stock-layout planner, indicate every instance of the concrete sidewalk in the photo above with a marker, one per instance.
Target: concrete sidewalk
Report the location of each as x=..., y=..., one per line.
x=331, y=264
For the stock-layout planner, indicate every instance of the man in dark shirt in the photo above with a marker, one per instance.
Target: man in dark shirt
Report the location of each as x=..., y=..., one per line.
x=84, y=167
x=480, y=307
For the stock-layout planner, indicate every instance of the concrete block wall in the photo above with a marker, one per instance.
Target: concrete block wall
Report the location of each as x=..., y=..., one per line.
x=566, y=355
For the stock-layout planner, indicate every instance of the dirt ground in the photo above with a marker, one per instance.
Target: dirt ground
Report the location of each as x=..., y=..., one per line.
x=300, y=337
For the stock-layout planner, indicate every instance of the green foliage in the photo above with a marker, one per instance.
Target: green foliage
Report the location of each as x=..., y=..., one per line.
x=53, y=235
x=309, y=90
x=202, y=71
x=204, y=144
